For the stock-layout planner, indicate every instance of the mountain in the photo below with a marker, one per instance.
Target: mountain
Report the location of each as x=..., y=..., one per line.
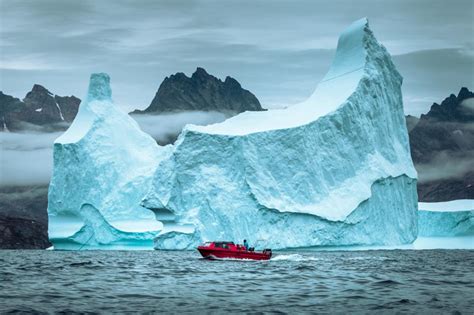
x=39, y=110
x=201, y=92
x=23, y=217
x=442, y=148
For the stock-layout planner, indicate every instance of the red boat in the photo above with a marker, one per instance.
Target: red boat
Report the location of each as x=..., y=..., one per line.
x=220, y=250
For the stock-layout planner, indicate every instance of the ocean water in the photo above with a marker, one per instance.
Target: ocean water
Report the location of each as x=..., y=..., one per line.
x=378, y=281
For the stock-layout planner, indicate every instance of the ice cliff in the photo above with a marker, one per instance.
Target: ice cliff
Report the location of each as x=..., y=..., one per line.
x=333, y=170
x=450, y=218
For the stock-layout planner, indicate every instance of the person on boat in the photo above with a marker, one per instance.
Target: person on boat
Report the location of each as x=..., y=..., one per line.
x=246, y=245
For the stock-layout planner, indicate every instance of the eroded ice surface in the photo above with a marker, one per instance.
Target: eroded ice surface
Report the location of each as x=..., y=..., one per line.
x=448, y=219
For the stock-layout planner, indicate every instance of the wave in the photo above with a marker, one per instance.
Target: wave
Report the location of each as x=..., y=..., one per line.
x=294, y=257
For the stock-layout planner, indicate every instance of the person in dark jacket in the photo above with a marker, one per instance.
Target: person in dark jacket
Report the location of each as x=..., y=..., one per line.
x=246, y=245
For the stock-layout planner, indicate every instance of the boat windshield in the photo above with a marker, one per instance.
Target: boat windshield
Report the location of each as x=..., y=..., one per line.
x=207, y=244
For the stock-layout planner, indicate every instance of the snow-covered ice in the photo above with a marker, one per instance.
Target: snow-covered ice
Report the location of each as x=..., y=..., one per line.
x=333, y=170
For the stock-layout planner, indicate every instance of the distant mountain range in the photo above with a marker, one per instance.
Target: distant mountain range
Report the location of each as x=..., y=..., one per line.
x=442, y=149
x=41, y=110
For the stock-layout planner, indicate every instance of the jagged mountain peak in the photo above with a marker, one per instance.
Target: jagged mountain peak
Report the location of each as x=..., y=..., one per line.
x=37, y=88
x=201, y=92
x=450, y=108
x=39, y=110
x=200, y=73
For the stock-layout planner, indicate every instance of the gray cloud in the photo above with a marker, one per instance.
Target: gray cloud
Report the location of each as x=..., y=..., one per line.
x=446, y=165
x=432, y=75
x=165, y=128
x=277, y=50
x=26, y=158
x=468, y=105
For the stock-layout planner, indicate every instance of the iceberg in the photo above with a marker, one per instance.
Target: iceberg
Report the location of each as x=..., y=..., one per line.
x=102, y=165
x=446, y=219
x=333, y=170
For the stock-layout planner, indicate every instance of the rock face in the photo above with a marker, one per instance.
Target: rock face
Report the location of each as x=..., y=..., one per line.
x=23, y=219
x=442, y=148
x=334, y=170
x=40, y=109
x=201, y=92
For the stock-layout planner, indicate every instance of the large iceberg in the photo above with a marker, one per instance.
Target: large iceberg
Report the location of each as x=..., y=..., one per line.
x=333, y=170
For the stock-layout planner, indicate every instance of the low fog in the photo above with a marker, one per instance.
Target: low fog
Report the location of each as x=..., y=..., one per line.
x=165, y=128
x=27, y=158
x=468, y=105
x=446, y=165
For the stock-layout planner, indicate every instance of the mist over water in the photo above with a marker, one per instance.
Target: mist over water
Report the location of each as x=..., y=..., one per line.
x=27, y=158
x=407, y=281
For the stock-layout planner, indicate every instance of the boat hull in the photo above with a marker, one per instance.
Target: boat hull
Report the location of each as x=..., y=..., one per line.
x=218, y=253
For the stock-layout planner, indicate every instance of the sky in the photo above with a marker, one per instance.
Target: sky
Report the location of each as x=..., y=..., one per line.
x=279, y=50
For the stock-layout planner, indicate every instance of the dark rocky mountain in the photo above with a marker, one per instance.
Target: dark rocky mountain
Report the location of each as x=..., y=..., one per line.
x=23, y=217
x=201, y=92
x=39, y=110
x=442, y=148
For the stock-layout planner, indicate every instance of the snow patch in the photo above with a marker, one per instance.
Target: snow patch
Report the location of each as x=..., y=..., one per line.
x=5, y=128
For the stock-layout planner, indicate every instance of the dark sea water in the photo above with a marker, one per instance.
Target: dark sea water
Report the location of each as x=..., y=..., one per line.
x=397, y=281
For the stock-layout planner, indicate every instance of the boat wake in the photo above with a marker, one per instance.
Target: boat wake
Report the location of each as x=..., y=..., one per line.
x=282, y=257
x=294, y=257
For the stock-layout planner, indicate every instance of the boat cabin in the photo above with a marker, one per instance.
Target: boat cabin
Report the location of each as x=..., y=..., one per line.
x=225, y=245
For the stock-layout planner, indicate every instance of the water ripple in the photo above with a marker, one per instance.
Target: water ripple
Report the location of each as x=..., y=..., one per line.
x=90, y=282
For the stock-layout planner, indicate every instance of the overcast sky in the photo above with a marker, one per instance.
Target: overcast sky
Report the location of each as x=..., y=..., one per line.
x=279, y=50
